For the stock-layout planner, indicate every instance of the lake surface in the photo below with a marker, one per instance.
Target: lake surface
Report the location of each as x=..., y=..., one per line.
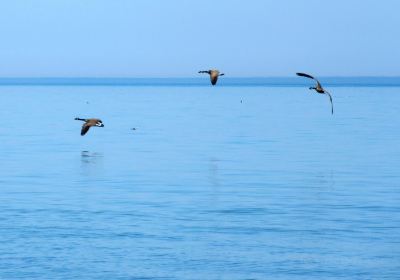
x=251, y=181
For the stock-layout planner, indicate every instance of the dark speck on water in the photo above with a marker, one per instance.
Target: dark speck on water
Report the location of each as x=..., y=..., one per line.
x=277, y=189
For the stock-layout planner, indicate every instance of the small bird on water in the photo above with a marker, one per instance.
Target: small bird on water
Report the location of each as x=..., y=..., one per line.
x=318, y=88
x=89, y=123
x=214, y=74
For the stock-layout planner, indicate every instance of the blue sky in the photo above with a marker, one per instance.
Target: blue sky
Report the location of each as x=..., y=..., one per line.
x=175, y=38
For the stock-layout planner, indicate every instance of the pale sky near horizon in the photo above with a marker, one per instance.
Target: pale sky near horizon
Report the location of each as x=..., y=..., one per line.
x=176, y=38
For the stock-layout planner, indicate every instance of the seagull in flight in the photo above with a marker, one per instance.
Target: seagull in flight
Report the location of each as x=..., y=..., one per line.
x=318, y=88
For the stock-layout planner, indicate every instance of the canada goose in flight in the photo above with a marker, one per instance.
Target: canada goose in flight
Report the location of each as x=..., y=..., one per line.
x=89, y=123
x=214, y=74
x=318, y=88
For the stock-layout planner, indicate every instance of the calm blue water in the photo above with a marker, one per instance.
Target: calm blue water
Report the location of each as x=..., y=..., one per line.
x=207, y=187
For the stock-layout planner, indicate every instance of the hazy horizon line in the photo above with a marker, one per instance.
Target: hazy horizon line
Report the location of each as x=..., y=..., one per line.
x=188, y=77
x=288, y=81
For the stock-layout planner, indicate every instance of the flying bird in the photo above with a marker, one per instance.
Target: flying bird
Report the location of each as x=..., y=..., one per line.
x=214, y=74
x=89, y=123
x=318, y=88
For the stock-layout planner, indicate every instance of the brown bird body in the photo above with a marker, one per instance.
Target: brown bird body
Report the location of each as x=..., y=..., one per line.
x=89, y=123
x=214, y=74
x=318, y=88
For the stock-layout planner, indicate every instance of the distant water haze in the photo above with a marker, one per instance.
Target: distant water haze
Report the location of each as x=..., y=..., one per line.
x=189, y=82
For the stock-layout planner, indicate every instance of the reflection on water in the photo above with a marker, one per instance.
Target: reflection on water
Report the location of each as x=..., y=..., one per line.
x=91, y=162
x=327, y=179
x=90, y=157
x=213, y=172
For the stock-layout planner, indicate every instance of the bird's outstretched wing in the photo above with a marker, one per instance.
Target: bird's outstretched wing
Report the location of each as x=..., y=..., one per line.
x=310, y=77
x=85, y=129
x=330, y=98
x=305, y=75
